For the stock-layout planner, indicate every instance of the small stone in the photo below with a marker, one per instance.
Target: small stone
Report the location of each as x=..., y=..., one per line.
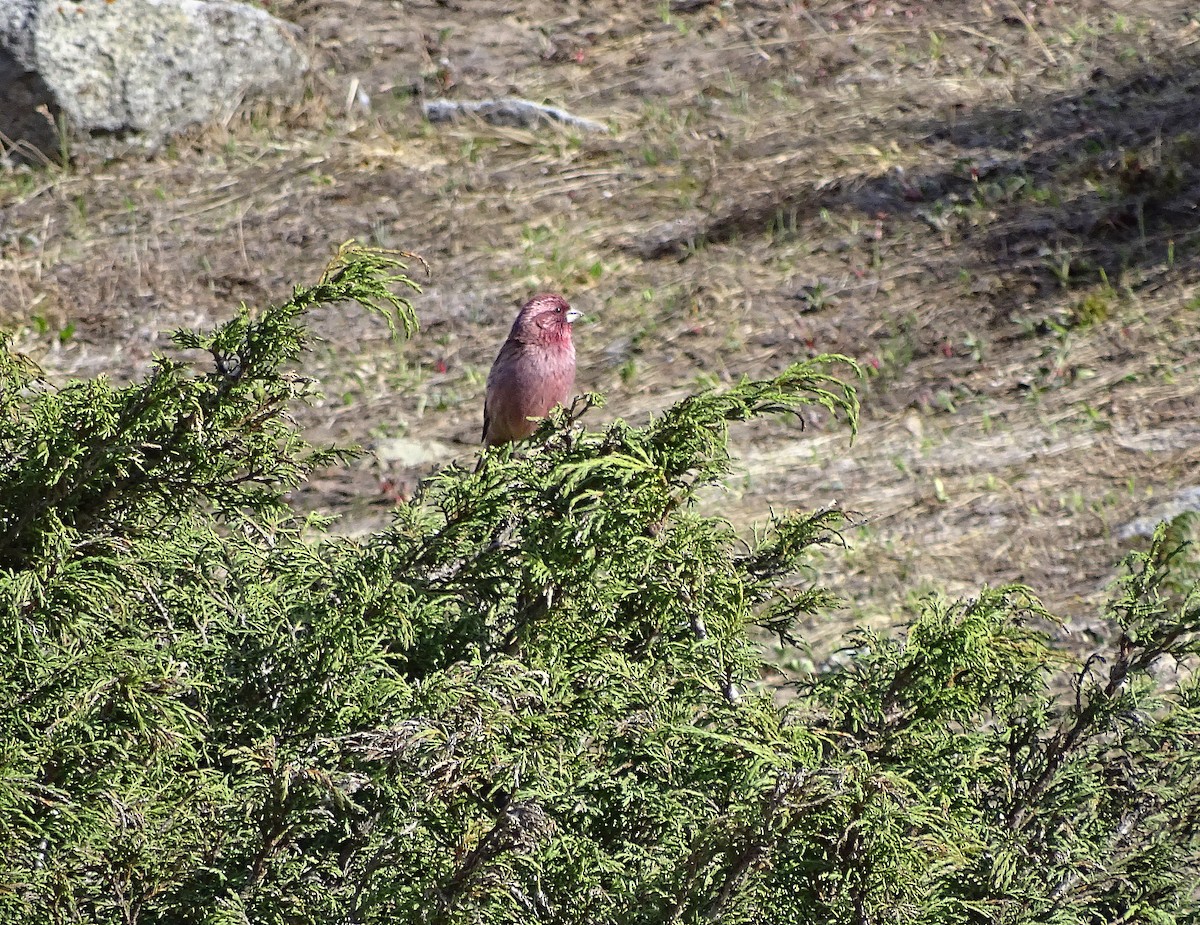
x=408, y=451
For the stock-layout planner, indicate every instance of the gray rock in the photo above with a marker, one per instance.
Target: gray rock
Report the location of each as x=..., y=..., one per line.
x=509, y=112
x=407, y=451
x=137, y=70
x=1185, y=501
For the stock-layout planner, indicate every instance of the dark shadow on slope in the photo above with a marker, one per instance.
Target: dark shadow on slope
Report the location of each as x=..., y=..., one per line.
x=1101, y=181
x=1044, y=194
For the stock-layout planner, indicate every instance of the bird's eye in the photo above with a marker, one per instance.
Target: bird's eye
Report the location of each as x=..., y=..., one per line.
x=558, y=309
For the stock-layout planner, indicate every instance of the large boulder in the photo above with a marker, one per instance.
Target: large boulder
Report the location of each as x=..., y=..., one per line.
x=138, y=70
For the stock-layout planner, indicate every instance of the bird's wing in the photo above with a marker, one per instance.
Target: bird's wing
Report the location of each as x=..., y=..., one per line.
x=487, y=421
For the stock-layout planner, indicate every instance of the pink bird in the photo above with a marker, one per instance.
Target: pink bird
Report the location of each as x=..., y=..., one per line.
x=534, y=371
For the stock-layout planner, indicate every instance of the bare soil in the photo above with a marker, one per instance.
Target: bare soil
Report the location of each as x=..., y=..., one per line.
x=993, y=207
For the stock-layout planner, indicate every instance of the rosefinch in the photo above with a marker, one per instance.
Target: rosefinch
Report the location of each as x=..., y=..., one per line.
x=534, y=371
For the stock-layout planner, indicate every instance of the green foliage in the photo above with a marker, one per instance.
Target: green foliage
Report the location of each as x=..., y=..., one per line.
x=537, y=695
x=94, y=459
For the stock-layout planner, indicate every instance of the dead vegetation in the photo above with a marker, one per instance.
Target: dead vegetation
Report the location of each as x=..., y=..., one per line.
x=993, y=207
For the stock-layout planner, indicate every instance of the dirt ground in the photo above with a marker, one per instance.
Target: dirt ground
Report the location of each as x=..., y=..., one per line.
x=994, y=207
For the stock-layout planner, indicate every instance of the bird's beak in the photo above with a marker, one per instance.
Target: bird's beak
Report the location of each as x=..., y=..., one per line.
x=573, y=315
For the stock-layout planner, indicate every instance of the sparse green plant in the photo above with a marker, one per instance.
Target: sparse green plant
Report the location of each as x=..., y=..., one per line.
x=62, y=133
x=784, y=226
x=1060, y=266
x=976, y=346
x=817, y=297
x=936, y=44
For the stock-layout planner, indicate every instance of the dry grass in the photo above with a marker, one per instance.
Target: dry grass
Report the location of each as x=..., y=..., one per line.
x=992, y=206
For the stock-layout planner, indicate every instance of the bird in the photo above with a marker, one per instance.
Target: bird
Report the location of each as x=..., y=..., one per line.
x=533, y=372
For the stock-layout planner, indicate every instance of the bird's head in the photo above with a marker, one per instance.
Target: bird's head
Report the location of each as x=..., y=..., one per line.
x=546, y=318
